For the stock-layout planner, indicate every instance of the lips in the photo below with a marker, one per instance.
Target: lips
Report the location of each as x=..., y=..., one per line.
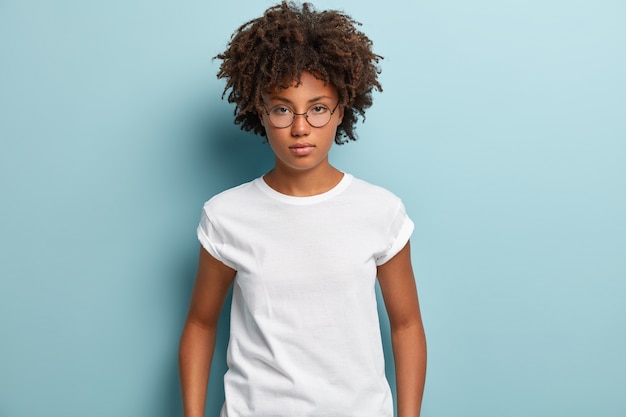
x=301, y=145
x=302, y=148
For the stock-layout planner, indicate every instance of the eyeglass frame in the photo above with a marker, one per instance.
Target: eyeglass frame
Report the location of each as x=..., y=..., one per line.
x=305, y=114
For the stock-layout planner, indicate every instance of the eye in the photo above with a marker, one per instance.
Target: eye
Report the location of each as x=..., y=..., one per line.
x=318, y=109
x=280, y=111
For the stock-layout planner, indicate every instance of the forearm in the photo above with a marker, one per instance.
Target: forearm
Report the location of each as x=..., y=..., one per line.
x=409, y=350
x=194, y=361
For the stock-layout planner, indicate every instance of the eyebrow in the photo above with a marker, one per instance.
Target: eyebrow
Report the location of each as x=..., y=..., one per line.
x=286, y=100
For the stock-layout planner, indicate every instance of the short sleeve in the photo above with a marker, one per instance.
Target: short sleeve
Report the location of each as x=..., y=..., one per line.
x=398, y=235
x=210, y=238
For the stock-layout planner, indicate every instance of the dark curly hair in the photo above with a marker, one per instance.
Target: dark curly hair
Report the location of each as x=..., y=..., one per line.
x=272, y=51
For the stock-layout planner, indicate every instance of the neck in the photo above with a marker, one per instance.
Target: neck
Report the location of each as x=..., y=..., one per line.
x=303, y=183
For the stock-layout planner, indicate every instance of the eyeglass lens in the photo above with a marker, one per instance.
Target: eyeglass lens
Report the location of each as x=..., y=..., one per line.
x=317, y=116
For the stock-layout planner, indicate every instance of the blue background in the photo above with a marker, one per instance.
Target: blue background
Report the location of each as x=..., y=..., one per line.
x=502, y=126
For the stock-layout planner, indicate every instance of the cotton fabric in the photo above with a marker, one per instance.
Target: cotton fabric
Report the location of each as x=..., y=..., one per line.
x=304, y=329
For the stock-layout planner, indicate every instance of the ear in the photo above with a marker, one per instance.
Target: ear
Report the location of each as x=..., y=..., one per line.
x=261, y=118
x=340, y=110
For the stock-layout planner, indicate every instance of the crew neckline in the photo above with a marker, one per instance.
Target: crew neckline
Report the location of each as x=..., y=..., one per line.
x=312, y=199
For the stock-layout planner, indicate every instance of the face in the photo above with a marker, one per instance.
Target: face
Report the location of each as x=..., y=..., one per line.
x=302, y=147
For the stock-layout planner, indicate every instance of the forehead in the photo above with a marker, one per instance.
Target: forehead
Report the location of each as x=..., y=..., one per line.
x=308, y=89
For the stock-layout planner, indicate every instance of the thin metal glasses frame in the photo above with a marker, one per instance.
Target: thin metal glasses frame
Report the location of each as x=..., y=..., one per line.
x=305, y=114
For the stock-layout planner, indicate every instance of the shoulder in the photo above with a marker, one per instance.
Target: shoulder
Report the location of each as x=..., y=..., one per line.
x=374, y=193
x=375, y=204
x=238, y=196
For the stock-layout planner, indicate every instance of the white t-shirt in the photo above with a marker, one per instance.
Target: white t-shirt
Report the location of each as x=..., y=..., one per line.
x=304, y=332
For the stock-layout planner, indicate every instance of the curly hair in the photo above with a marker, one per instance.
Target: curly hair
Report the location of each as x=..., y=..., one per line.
x=272, y=51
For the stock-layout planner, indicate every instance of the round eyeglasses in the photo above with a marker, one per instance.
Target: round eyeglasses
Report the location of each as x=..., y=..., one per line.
x=318, y=115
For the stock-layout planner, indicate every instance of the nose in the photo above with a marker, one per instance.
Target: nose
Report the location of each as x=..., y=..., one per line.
x=300, y=125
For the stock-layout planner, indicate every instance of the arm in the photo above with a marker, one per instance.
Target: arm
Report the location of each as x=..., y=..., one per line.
x=197, y=342
x=397, y=285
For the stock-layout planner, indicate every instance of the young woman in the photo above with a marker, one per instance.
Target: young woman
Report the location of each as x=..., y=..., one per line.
x=304, y=244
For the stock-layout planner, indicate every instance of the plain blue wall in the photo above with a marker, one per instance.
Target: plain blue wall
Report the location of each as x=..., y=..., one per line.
x=502, y=126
